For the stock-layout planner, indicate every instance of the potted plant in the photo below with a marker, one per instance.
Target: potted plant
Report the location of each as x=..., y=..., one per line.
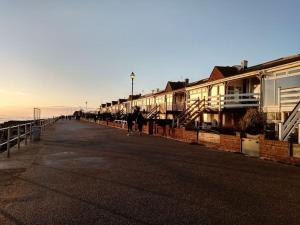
x=252, y=124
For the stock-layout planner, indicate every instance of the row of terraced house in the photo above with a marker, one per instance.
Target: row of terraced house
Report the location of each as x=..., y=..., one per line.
x=223, y=98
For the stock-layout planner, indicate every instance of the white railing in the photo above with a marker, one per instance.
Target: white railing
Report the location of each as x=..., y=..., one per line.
x=241, y=100
x=290, y=124
x=23, y=132
x=288, y=98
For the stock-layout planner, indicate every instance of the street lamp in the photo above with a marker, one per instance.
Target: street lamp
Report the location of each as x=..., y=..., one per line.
x=132, y=76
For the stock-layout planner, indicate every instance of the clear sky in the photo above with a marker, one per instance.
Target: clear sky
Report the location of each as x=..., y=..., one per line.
x=66, y=52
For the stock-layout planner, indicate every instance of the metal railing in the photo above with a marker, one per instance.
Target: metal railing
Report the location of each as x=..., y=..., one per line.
x=240, y=100
x=14, y=135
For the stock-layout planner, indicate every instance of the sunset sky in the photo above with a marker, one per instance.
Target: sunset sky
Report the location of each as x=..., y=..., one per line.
x=59, y=54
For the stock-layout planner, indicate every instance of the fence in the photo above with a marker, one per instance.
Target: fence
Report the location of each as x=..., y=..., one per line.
x=14, y=135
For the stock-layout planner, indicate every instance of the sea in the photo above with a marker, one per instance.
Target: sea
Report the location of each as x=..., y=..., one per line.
x=9, y=118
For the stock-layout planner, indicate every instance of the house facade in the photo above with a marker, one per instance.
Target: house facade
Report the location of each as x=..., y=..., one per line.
x=223, y=98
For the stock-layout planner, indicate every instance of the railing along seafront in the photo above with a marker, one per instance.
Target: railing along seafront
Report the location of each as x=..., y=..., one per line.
x=14, y=135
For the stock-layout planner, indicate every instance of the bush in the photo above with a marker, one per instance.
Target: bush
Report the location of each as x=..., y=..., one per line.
x=252, y=122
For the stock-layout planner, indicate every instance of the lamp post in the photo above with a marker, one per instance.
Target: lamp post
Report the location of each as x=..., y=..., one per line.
x=132, y=76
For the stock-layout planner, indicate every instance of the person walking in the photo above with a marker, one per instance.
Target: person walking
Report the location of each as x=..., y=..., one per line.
x=140, y=122
x=129, y=123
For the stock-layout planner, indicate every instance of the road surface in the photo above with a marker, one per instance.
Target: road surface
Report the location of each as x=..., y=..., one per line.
x=82, y=173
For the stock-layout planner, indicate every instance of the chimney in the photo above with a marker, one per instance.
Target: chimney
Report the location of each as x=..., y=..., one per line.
x=244, y=64
x=187, y=80
x=157, y=89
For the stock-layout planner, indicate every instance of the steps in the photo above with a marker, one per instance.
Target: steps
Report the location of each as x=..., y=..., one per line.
x=290, y=124
x=154, y=112
x=190, y=114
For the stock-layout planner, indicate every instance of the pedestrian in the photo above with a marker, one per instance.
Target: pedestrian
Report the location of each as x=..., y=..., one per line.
x=140, y=122
x=129, y=123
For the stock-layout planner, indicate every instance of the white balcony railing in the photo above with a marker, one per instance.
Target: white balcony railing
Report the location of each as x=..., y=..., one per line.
x=288, y=98
x=241, y=100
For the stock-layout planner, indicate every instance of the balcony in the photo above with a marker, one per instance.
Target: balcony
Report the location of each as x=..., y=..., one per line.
x=241, y=100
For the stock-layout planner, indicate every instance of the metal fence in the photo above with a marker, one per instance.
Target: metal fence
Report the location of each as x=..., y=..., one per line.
x=14, y=135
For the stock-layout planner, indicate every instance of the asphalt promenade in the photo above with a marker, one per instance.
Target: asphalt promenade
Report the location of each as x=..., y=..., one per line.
x=86, y=174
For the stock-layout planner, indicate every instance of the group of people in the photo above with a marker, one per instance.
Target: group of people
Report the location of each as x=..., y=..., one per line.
x=138, y=118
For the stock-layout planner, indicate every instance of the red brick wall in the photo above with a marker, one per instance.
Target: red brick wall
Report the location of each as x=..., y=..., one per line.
x=271, y=149
x=177, y=133
x=230, y=143
x=189, y=136
x=276, y=150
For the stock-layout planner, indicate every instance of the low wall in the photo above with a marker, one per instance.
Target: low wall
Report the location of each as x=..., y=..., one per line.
x=209, y=137
x=268, y=149
x=277, y=150
x=187, y=136
x=230, y=143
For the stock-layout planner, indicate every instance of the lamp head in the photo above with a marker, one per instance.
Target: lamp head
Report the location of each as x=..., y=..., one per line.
x=132, y=75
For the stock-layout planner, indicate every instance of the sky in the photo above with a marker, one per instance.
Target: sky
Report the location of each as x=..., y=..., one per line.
x=57, y=54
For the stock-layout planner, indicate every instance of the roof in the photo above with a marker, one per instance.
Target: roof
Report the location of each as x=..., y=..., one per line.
x=121, y=100
x=273, y=63
x=197, y=82
x=134, y=97
x=220, y=72
x=159, y=92
x=174, y=85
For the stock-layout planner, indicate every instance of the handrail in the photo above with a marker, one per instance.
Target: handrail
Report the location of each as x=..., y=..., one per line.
x=190, y=109
x=152, y=111
x=292, y=115
x=184, y=111
x=289, y=124
x=194, y=109
x=26, y=132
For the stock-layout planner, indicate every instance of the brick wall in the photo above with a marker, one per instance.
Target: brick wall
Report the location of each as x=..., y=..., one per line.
x=230, y=143
x=276, y=150
x=176, y=133
x=209, y=137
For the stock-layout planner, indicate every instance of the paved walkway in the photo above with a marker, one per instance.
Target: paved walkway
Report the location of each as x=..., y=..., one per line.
x=85, y=174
